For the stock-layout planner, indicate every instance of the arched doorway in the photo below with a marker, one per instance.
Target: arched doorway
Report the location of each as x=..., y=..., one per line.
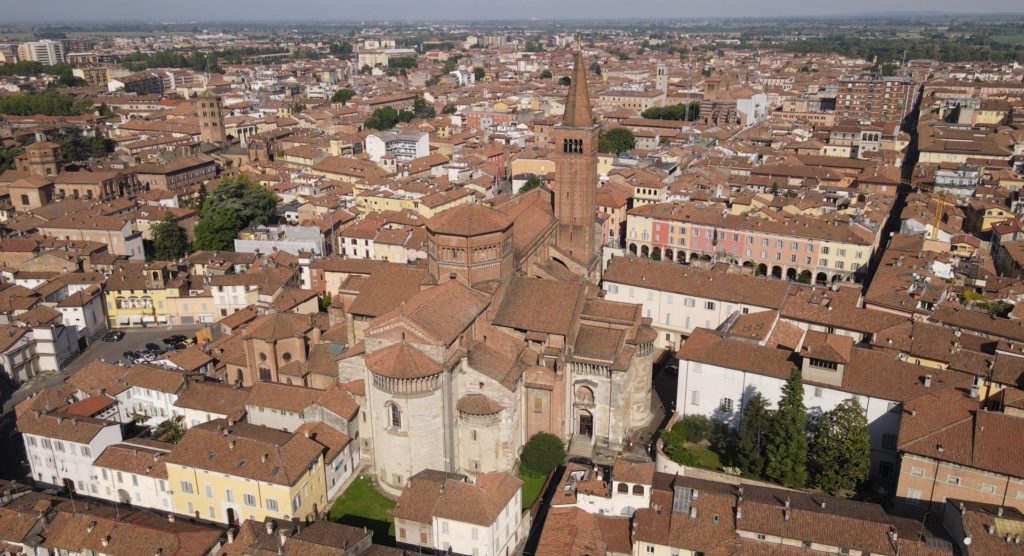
x=669, y=255
x=790, y=274
x=777, y=272
x=123, y=497
x=632, y=248
x=656, y=254
x=835, y=278
x=762, y=269
x=821, y=279
x=645, y=251
x=585, y=423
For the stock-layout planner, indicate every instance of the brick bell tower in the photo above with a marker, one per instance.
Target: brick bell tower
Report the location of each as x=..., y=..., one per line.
x=575, y=188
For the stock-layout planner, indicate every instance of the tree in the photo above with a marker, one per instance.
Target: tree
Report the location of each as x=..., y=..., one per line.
x=564, y=81
x=7, y=156
x=698, y=428
x=386, y=118
x=449, y=109
x=533, y=182
x=841, y=458
x=786, y=448
x=366, y=69
x=449, y=65
x=323, y=302
x=343, y=95
x=49, y=103
x=616, y=140
x=422, y=109
x=674, y=445
x=546, y=74
x=100, y=146
x=170, y=431
x=170, y=242
x=407, y=62
x=595, y=68
x=543, y=453
x=235, y=204
x=750, y=441
x=479, y=73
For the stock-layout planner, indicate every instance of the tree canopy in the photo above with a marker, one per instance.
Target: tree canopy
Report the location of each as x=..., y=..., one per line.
x=786, y=446
x=343, y=95
x=841, y=455
x=48, y=103
x=479, y=73
x=543, y=453
x=750, y=442
x=386, y=118
x=234, y=205
x=682, y=112
x=170, y=242
x=616, y=140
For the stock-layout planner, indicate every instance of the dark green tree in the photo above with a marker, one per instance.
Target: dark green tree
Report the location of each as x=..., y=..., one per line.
x=674, y=445
x=343, y=95
x=841, y=455
x=564, y=81
x=786, y=448
x=533, y=182
x=100, y=146
x=616, y=140
x=595, y=68
x=422, y=109
x=450, y=65
x=543, y=453
x=170, y=242
x=449, y=109
x=7, y=156
x=479, y=73
x=750, y=440
x=235, y=204
x=546, y=74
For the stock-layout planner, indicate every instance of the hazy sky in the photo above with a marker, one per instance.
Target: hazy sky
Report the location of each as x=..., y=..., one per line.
x=354, y=10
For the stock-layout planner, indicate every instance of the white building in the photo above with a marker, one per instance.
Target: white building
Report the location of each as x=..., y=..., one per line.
x=150, y=395
x=60, y=448
x=482, y=518
x=680, y=298
x=404, y=146
x=753, y=110
x=719, y=373
x=134, y=473
x=46, y=52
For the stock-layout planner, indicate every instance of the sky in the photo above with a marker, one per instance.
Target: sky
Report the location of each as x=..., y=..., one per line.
x=72, y=11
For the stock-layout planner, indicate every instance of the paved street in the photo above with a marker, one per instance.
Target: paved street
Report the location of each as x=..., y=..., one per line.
x=134, y=340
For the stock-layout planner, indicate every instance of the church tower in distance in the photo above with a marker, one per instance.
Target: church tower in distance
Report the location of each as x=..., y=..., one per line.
x=575, y=188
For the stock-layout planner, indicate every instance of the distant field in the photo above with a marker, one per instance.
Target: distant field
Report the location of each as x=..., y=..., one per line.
x=1009, y=38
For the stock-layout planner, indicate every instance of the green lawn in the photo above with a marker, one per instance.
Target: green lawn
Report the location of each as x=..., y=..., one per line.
x=362, y=505
x=706, y=458
x=532, y=486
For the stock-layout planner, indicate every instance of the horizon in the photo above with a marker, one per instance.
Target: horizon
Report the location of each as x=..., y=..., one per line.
x=115, y=12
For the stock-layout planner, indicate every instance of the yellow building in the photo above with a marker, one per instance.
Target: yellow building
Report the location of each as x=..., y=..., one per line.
x=138, y=297
x=227, y=472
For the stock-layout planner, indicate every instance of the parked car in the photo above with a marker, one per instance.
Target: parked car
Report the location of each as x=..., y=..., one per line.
x=113, y=336
x=153, y=347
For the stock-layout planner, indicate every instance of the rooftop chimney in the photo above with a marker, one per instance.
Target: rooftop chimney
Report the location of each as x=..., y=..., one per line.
x=928, y=381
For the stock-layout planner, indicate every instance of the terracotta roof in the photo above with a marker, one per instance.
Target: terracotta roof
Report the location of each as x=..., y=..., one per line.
x=469, y=220
x=401, y=360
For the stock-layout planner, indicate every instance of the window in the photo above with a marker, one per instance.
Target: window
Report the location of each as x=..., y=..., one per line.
x=913, y=494
x=296, y=502
x=823, y=263
x=538, y=405
x=209, y=491
x=249, y=499
x=889, y=441
x=710, y=305
x=917, y=471
x=817, y=391
x=778, y=244
x=395, y=416
x=695, y=397
x=822, y=364
x=186, y=487
x=135, y=480
x=86, y=452
x=824, y=250
x=988, y=489
x=840, y=265
x=953, y=480
x=725, y=405
x=229, y=495
x=272, y=504
x=689, y=302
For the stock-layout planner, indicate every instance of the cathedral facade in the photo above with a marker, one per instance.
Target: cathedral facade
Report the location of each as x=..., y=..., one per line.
x=507, y=336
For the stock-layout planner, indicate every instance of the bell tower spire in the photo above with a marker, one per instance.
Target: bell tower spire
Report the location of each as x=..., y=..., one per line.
x=575, y=156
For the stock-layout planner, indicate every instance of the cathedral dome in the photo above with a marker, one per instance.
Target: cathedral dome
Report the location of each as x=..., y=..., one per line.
x=469, y=221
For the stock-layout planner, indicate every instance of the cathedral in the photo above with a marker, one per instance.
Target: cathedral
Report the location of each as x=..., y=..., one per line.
x=504, y=334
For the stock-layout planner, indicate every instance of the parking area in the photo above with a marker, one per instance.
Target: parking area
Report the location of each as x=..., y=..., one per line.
x=135, y=339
